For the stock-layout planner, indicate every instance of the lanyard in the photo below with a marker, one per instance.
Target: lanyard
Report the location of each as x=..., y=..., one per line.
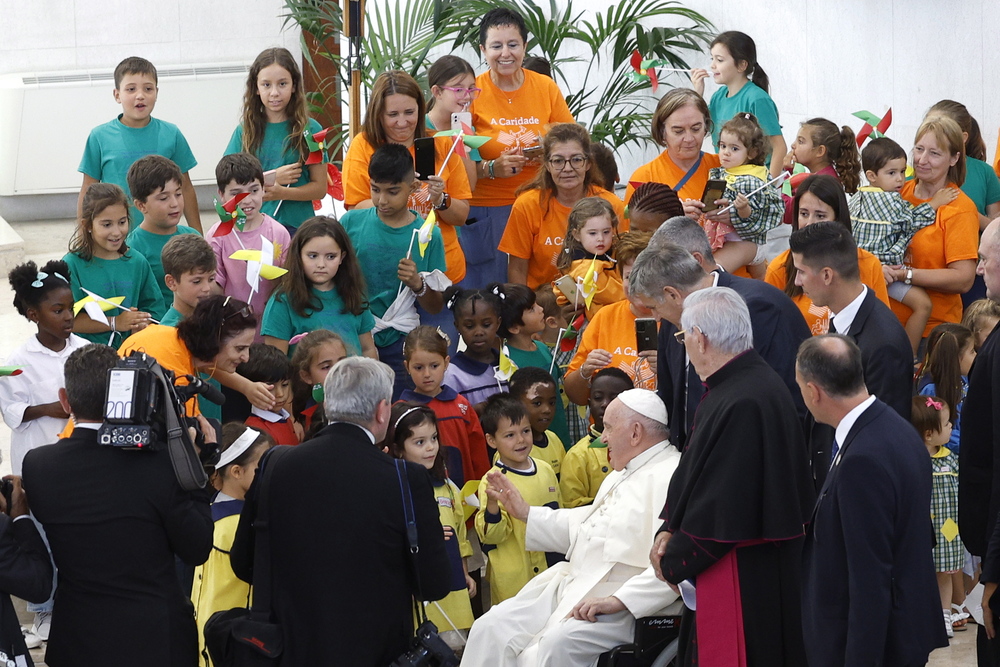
x=689, y=174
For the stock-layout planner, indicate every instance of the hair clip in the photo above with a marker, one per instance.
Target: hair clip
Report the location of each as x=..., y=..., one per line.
x=747, y=116
x=443, y=335
x=499, y=292
x=60, y=276
x=450, y=304
x=297, y=337
x=39, y=278
x=931, y=403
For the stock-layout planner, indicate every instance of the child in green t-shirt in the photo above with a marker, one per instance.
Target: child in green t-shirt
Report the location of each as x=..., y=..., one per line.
x=113, y=146
x=156, y=188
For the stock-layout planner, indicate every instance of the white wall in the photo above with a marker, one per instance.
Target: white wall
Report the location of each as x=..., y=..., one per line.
x=48, y=35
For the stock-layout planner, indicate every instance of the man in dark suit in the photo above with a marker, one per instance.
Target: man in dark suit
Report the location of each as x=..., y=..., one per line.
x=778, y=327
x=115, y=521
x=979, y=455
x=869, y=594
x=826, y=257
x=342, y=575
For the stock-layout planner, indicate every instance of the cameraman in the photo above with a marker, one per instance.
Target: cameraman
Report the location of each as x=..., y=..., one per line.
x=25, y=570
x=115, y=520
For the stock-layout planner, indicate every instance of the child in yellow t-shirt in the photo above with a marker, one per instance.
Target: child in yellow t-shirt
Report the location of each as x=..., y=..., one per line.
x=509, y=565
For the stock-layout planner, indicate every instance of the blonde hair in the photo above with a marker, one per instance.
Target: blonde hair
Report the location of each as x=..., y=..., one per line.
x=949, y=135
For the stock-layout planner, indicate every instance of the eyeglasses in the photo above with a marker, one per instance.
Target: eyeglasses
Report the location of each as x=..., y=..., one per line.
x=471, y=93
x=245, y=311
x=559, y=163
x=679, y=336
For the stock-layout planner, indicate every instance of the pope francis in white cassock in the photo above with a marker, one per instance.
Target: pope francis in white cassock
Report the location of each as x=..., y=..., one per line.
x=574, y=611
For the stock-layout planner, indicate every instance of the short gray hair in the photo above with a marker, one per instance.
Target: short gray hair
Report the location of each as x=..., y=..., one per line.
x=666, y=266
x=354, y=388
x=722, y=316
x=685, y=232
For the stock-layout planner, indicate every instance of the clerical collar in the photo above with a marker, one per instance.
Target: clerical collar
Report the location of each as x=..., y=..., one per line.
x=641, y=459
x=269, y=416
x=843, y=320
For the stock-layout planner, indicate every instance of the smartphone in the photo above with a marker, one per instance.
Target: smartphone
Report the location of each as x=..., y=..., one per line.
x=460, y=117
x=567, y=286
x=714, y=189
x=424, y=157
x=270, y=177
x=532, y=152
x=645, y=334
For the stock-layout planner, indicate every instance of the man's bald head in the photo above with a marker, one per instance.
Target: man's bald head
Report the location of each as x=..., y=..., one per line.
x=989, y=259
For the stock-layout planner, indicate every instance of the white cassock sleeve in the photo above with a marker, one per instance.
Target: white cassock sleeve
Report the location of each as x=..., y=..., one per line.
x=553, y=530
x=645, y=595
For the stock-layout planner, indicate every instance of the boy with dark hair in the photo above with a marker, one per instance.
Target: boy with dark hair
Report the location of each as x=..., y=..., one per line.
x=509, y=565
x=586, y=463
x=536, y=390
x=270, y=365
x=113, y=147
x=158, y=194
x=393, y=252
x=189, y=272
x=236, y=174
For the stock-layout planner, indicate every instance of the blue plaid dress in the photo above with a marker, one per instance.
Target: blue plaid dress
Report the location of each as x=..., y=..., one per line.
x=949, y=555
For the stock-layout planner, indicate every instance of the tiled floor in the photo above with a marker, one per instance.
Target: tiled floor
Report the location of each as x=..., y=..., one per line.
x=48, y=240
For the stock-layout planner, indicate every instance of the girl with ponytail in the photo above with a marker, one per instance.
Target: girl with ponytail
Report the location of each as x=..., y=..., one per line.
x=743, y=88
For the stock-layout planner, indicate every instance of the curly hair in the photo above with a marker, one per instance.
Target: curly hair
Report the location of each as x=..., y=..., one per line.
x=841, y=148
x=748, y=131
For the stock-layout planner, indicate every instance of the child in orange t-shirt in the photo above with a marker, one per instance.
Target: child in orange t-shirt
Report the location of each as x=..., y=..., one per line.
x=270, y=365
x=587, y=256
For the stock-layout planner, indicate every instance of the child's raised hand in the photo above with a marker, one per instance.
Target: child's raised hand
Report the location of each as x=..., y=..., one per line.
x=595, y=361
x=132, y=320
x=288, y=174
x=698, y=77
x=788, y=164
x=942, y=197
x=408, y=274
x=502, y=490
x=742, y=205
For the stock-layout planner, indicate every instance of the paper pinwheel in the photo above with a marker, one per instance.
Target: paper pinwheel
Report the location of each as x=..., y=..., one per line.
x=426, y=232
x=588, y=285
x=469, y=137
x=95, y=306
x=643, y=70
x=230, y=214
x=567, y=341
x=11, y=370
x=874, y=126
x=317, y=144
x=334, y=182
x=260, y=264
x=506, y=367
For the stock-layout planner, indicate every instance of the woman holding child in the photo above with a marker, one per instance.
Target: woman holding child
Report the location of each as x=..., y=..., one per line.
x=534, y=235
x=942, y=257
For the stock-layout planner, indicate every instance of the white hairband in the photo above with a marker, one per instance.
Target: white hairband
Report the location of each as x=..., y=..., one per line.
x=235, y=450
x=396, y=425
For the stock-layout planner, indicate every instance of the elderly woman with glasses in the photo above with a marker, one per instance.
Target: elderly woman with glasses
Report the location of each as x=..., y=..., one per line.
x=537, y=224
x=212, y=341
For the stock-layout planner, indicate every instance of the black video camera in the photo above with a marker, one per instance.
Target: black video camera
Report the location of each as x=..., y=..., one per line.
x=144, y=410
x=427, y=649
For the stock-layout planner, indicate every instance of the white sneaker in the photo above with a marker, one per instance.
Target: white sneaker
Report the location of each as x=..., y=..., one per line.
x=947, y=624
x=40, y=628
x=31, y=640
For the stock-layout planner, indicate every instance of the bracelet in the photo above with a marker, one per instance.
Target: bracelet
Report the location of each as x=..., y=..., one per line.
x=114, y=324
x=423, y=288
x=588, y=379
x=490, y=166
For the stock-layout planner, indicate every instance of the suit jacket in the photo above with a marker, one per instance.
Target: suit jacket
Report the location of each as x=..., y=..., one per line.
x=342, y=574
x=115, y=521
x=888, y=367
x=979, y=455
x=869, y=594
x=778, y=330
x=25, y=571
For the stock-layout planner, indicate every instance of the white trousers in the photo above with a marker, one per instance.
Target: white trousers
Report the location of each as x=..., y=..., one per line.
x=519, y=633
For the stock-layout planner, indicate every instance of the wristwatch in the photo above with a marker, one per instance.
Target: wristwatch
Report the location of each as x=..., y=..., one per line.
x=445, y=202
x=909, y=276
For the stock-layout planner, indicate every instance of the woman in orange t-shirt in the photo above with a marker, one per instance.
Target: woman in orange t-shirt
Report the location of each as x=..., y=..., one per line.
x=609, y=339
x=534, y=235
x=820, y=198
x=942, y=257
x=680, y=124
x=515, y=108
x=214, y=340
x=396, y=114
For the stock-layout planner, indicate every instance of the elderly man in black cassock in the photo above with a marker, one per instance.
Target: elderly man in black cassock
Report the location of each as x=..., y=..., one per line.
x=733, y=521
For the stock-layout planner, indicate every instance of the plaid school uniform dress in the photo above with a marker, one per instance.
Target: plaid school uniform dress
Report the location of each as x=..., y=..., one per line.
x=884, y=223
x=949, y=554
x=766, y=206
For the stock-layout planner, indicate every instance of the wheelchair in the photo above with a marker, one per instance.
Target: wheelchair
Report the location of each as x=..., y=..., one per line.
x=654, y=644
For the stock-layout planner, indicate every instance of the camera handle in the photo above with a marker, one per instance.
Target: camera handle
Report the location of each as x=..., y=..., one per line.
x=187, y=466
